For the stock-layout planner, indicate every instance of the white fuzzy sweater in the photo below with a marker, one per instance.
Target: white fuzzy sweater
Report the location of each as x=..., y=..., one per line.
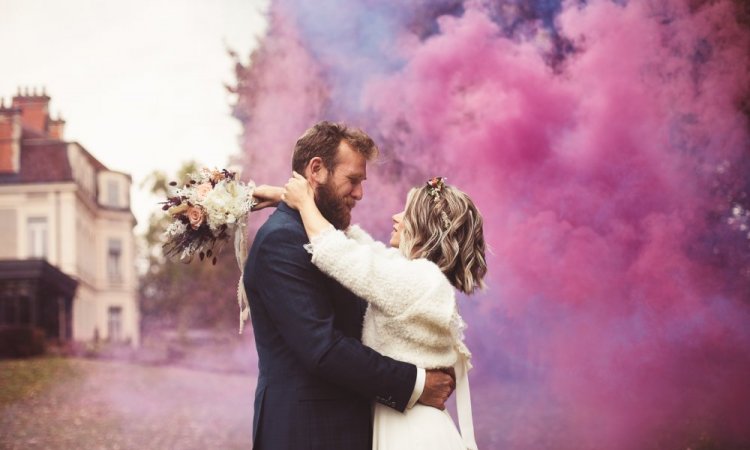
x=412, y=314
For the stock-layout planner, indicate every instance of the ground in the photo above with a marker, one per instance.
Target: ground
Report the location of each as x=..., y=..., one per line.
x=55, y=403
x=73, y=403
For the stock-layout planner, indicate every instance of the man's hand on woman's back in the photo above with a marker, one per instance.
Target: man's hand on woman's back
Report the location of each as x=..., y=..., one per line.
x=438, y=386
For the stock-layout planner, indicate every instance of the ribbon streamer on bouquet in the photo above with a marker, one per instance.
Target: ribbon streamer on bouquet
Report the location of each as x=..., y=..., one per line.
x=240, y=252
x=463, y=402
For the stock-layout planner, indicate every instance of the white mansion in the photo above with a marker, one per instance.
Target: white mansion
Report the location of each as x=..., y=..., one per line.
x=65, y=220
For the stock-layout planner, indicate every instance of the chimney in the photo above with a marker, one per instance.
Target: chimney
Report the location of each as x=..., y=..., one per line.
x=56, y=127
x=34, y=109
x=10, y=138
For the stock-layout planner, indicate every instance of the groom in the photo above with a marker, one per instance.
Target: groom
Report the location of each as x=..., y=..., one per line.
x=316, y=380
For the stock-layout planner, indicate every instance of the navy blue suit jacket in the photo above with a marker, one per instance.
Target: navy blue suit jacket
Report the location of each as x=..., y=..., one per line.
x=316, y=380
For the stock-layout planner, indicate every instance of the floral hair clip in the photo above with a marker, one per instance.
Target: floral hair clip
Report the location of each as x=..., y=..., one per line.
x=435, y=186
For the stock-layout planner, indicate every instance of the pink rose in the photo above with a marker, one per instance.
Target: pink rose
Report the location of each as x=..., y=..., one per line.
x=195, y=216
x=203, y=190
x=216, y=176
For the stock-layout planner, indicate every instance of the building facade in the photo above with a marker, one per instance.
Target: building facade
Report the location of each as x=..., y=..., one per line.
x=59, y=203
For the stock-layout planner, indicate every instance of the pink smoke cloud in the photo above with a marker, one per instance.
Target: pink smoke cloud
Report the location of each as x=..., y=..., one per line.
x=272, y=123
x=610, y=302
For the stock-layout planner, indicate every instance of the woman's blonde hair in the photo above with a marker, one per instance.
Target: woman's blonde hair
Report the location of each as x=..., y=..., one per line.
x=445, y=227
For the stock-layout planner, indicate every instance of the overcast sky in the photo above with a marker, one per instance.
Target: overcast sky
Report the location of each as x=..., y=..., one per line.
x=140, y=83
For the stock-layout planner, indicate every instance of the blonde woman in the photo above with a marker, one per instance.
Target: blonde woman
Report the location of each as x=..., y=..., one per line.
x=438, y=247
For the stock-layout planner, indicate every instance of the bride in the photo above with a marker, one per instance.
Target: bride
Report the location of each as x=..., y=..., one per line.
x=413, y=315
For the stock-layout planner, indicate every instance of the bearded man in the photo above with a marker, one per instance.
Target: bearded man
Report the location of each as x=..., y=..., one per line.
x=316, y=381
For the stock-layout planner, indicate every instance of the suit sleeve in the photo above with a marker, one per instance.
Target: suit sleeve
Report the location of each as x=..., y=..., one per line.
x=291, y=292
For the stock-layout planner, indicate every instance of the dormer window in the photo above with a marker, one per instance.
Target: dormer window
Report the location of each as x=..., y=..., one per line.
x=113, y=193
x=113, y=189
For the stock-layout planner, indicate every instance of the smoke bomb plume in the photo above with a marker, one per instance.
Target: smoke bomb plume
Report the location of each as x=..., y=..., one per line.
x=606, y=144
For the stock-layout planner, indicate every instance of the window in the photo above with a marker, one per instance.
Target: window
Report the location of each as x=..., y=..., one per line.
x=114, y=253
x=114, y=323
x=37, y=229
x=113, y=193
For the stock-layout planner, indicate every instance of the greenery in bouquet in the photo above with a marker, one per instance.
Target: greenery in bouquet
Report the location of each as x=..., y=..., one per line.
x=205, y=210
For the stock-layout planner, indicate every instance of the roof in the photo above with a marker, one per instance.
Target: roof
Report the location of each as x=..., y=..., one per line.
x=45, y=162
x=95, y=163
x=40, y=270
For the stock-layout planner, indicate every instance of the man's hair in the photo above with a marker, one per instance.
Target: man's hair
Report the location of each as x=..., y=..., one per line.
x=446, y=229
x=323, y=139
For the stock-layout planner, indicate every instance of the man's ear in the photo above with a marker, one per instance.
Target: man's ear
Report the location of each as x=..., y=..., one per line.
x=315, y=172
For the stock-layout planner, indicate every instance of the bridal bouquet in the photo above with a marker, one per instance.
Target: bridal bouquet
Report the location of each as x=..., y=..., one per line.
x=206, y=210
x=210, y=205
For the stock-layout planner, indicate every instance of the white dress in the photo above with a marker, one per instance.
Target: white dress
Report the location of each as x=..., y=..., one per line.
x=419, y=428
x=412, y=317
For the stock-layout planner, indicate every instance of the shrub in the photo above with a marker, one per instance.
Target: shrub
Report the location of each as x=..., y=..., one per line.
x=21, y=341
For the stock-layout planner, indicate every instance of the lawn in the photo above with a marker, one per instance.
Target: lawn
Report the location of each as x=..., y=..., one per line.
x=55, y=403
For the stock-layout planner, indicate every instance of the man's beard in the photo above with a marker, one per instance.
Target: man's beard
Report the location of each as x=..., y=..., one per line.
x=333, y=207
